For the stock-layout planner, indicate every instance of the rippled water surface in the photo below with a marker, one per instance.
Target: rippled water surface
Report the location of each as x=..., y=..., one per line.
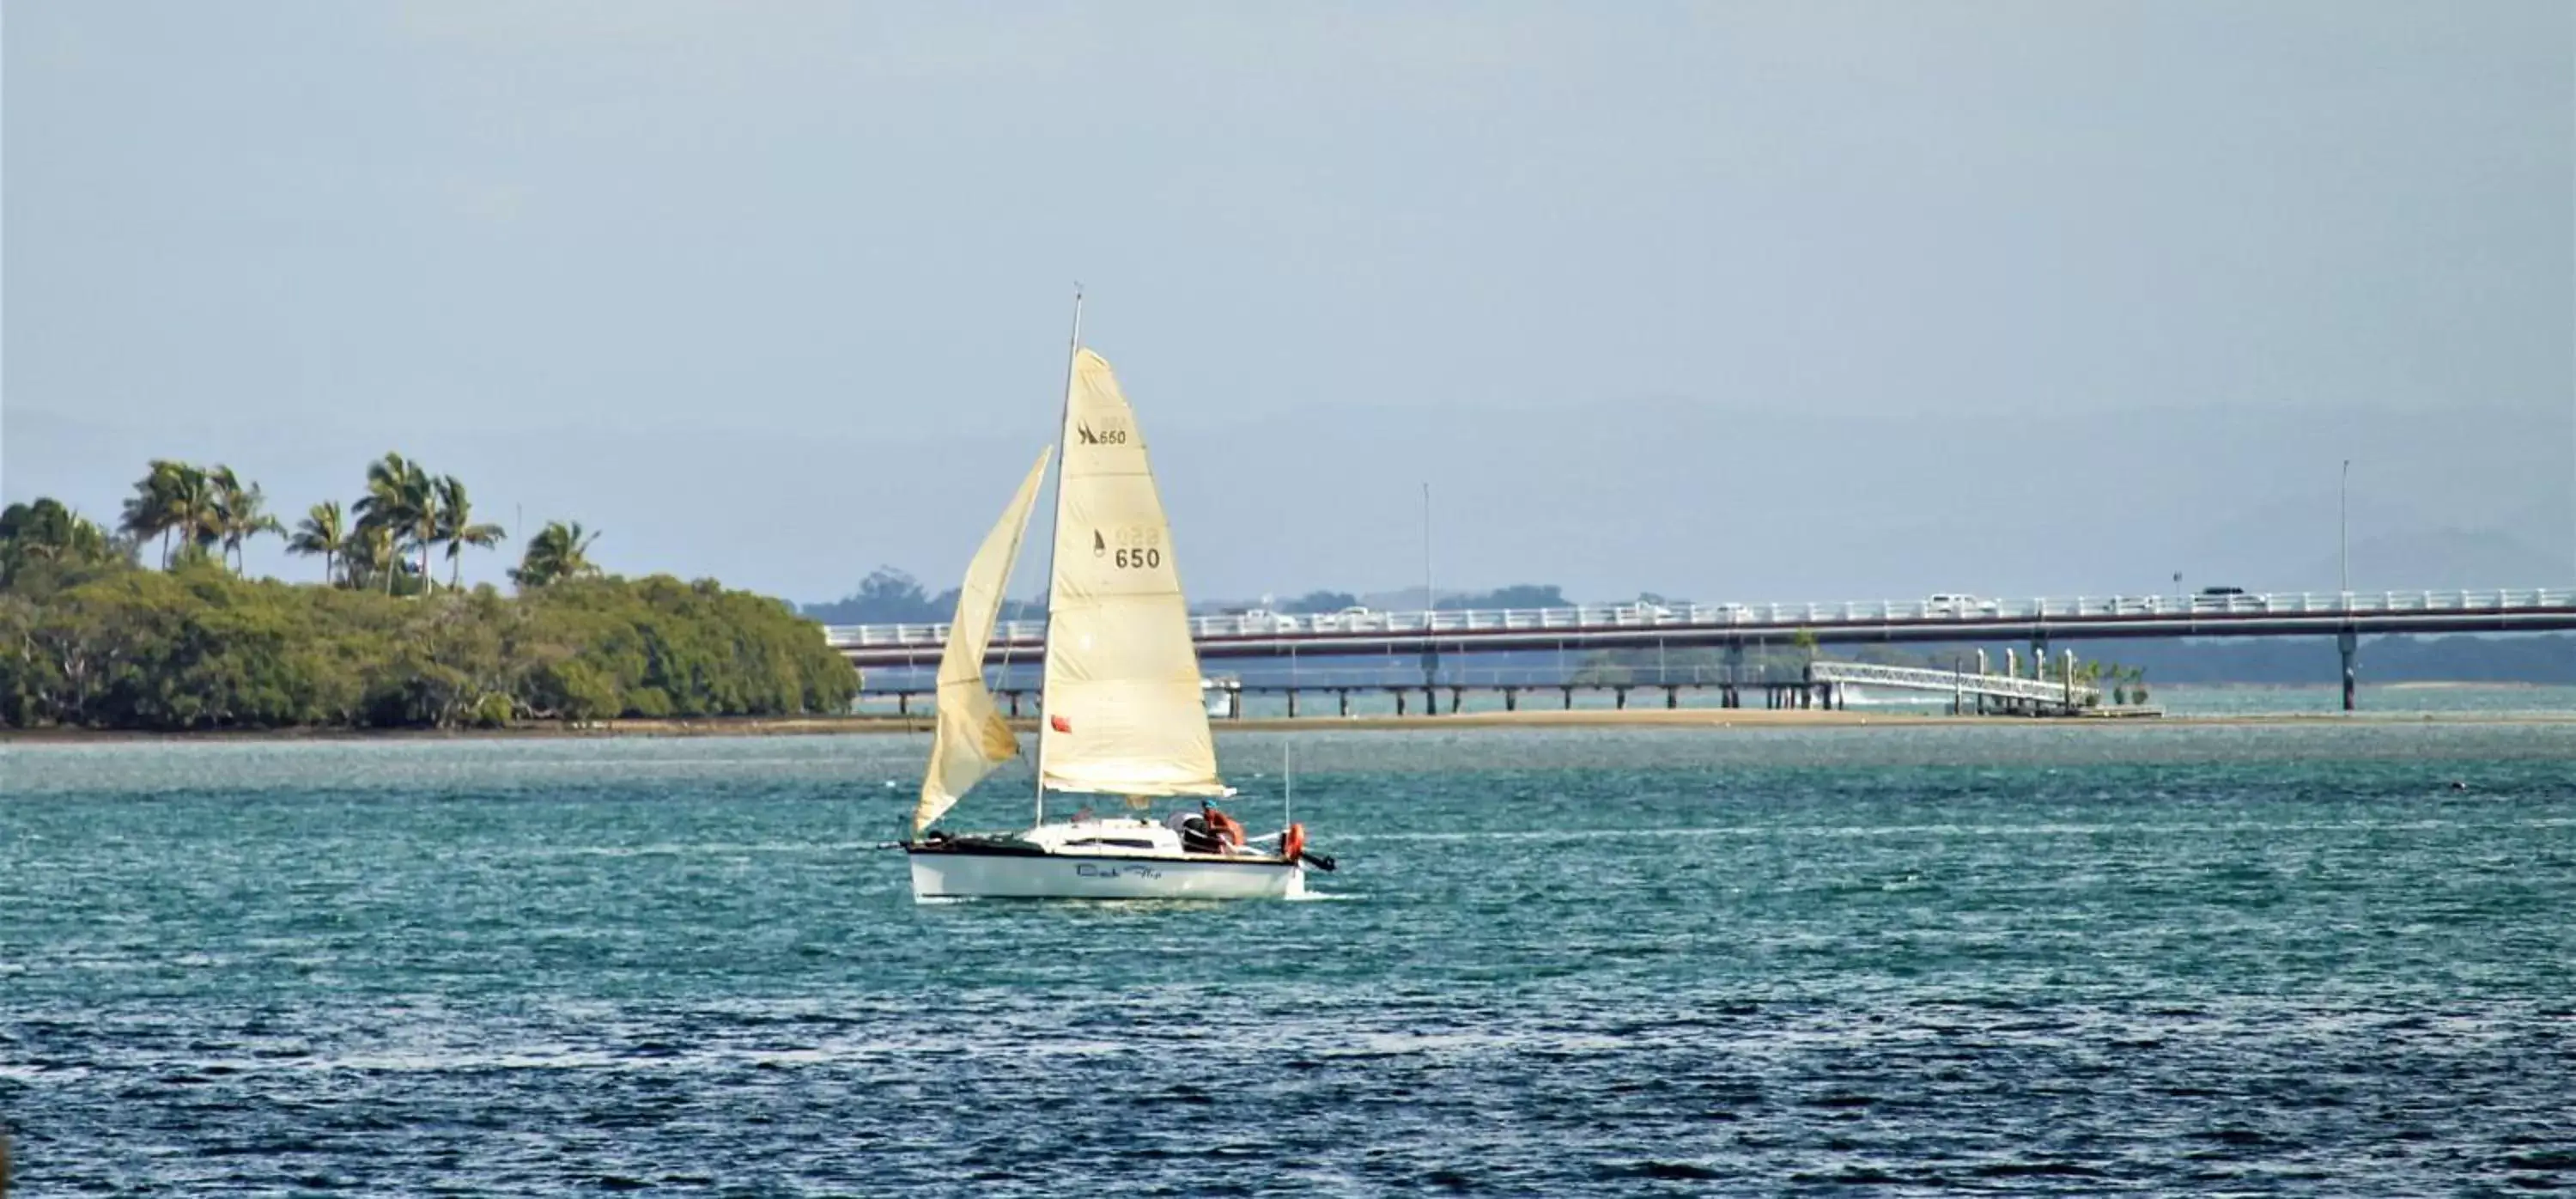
x=2182, y=959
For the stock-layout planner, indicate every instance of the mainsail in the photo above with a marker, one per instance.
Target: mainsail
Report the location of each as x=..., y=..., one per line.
x=972, y=737
x=1123, y=706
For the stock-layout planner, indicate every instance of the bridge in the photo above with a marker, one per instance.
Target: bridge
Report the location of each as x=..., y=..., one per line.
x=1734, y=627
x=1807, y=685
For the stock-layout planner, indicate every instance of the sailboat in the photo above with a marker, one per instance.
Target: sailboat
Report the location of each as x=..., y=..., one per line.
x=1124, y=721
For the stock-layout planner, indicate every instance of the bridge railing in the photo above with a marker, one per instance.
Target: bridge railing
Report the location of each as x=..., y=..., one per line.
x=1453, y=672
x=1475, y=673
x=1965, y=611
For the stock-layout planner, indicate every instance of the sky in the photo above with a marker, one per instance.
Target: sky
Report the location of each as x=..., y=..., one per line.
x=1739, y=302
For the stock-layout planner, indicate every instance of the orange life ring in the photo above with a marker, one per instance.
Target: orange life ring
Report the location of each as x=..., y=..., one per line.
x=1292, y=844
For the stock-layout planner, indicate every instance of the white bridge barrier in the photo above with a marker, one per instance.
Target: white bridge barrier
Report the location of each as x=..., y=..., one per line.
x=1967, y=613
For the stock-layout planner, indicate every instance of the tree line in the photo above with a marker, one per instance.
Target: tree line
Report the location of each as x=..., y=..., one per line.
x=90, y=637
x=891, y=596
x=195, y=513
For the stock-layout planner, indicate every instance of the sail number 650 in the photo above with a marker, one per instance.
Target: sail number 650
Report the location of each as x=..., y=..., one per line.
x=1145, y=558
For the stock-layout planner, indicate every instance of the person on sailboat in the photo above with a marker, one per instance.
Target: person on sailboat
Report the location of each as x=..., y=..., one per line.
x=1193, y=828
x=1227, y=830
x=1207, y=830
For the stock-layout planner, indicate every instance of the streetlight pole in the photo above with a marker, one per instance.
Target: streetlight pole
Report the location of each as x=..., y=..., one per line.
x=2343, y=530
x=2346, y=642
x=1430, y=608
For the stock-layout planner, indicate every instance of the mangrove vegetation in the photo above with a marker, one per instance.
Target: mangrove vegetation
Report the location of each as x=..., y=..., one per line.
x=150, y=624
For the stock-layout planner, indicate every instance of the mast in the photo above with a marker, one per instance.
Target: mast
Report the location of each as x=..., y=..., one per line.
x=1072, y=350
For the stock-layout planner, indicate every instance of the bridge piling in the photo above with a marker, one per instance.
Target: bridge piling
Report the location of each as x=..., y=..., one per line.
x=2349, y=644
x=1511, y=699
x=1292, y=703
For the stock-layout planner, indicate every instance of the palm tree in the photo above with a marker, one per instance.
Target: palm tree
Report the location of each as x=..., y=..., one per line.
x=321, y=532
x=238, y=513
x=368, y=556
x=456, y=527
x=197, y=512
x=45, y=531
x=140, y=518
x=155, y=508
x=559, y=551
x=401, y=498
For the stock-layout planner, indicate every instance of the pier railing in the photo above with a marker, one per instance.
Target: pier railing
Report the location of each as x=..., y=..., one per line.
x=2057, y=691
x=1965, y=612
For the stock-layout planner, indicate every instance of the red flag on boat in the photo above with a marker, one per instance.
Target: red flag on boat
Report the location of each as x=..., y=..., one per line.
x=1059, y=724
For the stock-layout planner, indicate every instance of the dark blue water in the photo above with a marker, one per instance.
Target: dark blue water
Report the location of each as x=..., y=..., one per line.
x=2201, y=960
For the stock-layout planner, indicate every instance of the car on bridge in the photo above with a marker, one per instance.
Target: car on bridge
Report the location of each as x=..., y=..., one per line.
x=1356, y=616
x=1262, y=620
x=1641, y=612
x=2225, y=599
x=1959, y=605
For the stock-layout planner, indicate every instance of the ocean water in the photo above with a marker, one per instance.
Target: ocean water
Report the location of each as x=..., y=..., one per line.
x=2319, y=959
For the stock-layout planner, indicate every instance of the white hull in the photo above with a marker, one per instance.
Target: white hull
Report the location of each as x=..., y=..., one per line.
x=952, y=875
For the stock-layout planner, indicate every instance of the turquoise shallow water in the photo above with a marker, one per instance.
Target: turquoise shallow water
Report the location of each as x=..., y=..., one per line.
x=2016, y=959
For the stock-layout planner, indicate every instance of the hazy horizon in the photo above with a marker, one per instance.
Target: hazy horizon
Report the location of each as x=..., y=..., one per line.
x=1823, y=302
